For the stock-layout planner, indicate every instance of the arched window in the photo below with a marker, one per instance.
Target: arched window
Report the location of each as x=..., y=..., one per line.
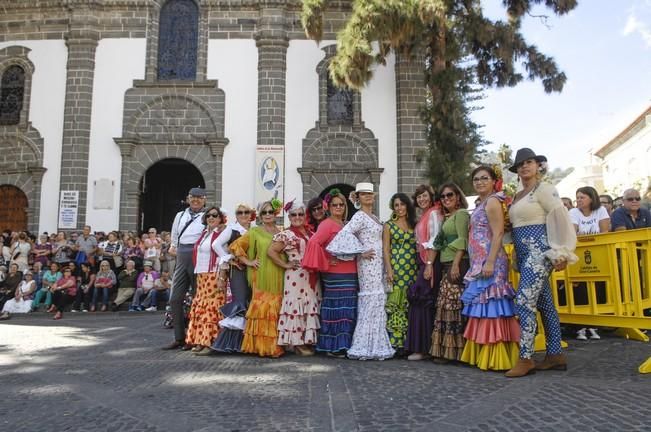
x=12, y=91
x=178, y=38
x=340, y=104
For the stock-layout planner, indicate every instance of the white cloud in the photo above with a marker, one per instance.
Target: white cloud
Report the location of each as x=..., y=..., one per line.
x=635, y=26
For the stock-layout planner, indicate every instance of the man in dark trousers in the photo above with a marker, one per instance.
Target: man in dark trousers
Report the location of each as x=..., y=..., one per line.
x=186, y=230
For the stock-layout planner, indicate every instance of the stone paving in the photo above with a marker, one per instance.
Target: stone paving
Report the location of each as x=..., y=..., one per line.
x=105, y=372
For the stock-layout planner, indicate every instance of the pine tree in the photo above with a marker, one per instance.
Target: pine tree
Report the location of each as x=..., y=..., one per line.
x=463, y=52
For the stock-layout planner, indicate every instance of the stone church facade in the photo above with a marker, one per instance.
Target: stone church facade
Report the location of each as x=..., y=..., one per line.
x=128, y=102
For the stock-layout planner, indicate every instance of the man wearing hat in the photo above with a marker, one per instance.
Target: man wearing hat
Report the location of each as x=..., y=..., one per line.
x=186, y=230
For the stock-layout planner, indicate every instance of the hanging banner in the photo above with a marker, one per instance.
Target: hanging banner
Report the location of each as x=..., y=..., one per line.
x=68, y=208
x=270, y=173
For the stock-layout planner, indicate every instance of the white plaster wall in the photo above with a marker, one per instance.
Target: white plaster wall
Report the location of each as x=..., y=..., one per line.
x=234, y=63
x=46, y=114
x=379, y=115
x=302, y=107
x=117, y=63
x=628, y=165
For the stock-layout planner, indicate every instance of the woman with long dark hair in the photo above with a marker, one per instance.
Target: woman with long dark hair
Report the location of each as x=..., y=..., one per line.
x=399, y=249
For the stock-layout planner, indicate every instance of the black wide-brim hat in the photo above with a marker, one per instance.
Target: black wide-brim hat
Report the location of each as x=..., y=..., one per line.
x=524, y=154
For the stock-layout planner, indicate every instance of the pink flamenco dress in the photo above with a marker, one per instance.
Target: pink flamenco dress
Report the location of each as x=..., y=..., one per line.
x=492, y=332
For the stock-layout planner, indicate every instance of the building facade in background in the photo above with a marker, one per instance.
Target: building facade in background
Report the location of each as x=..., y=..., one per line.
x=110, y=110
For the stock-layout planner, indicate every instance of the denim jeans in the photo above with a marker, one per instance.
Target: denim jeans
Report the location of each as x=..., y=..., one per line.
x=105, y=295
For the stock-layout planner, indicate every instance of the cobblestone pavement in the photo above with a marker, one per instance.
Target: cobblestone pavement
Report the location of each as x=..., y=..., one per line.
x=106, y=372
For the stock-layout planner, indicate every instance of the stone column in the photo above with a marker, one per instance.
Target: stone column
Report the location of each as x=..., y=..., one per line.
x=272, y=42
x=81, y=42
x=412, y=142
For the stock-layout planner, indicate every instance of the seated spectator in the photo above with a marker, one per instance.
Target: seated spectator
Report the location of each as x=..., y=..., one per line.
x=63, y=293
x=111, y=250
x=567, y=202
x=42, y=250
x=22, y=301
x=607, y=202
x=10, y=284
x=631, y=215
x=132, y=251
x=86, y=283
x=127, y=285
x=20, y=252
x=162, y=287
x=86, y=246
x=168, y=260
x=144, y=285
x=589, y=216
x=617, y=203
x=50, y=278
x=37, y=274
x=62, y=250
x=104, y=280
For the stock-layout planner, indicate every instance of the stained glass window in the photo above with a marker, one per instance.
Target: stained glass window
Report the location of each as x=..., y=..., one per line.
x=12, y=90
x=340, y=104
x=178, y=37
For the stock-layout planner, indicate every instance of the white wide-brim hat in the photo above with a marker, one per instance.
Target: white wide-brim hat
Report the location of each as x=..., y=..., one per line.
x=364, y=187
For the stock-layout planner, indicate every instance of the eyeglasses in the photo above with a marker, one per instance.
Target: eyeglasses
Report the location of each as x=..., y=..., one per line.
x=633, y=199
x=337, y=205
x=214, y=215
x=317, y=208
x=266, y=212
x=481, y=179
x=296, y=214
x=448, y=195
x=152, y=232
x=604, y=202
x=243, y=212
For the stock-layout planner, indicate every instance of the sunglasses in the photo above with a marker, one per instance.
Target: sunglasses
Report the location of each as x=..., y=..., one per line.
x=266, y=212
x=215, y=215
x=633, y=199
x=448, y=195
x=481, y=179
x=152, y=232
x=317, y=208
x=243, y=212
x=337, y=205
x=296, y=214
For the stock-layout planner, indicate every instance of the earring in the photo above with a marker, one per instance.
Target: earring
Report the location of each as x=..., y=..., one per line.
x=357, y=205
x=394, y=216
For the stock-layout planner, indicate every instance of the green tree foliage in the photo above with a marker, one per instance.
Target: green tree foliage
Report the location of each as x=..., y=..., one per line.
x=462, y=49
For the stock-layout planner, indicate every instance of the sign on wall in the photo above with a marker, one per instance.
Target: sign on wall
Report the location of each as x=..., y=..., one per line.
x=68, y=207
x=269, y=173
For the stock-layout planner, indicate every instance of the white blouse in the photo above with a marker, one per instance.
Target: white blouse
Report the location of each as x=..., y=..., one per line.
x=203, y=254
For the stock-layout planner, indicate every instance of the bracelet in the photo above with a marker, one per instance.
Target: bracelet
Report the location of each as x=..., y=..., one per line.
x=428, y=263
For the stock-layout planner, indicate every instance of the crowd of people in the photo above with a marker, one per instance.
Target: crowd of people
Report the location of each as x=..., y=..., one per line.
x=431, y=282
x=84, y=271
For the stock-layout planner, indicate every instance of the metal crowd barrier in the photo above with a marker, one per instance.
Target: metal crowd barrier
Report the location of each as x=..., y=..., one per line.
x=610, y=286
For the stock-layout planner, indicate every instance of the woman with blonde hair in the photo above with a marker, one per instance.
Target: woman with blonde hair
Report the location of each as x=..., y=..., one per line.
x=232, y=273
x=266, y=281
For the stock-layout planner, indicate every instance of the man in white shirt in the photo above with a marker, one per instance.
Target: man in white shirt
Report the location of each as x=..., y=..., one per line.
x=186, y=230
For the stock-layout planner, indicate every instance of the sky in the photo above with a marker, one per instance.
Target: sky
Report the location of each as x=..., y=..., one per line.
x=604, y=48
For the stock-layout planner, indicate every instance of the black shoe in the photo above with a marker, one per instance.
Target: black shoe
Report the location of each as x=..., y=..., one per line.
x=114, y=307
x=174, y=345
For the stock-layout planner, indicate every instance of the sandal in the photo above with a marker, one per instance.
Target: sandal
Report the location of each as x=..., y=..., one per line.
x=197, y=348
x=58, y=315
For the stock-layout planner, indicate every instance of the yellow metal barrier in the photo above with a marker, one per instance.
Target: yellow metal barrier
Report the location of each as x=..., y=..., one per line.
x=610, y=286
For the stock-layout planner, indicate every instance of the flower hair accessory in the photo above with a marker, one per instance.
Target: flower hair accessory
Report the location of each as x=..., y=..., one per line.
x=328, y=197
x=276, y=204
x=289, y=205
x=500, y=177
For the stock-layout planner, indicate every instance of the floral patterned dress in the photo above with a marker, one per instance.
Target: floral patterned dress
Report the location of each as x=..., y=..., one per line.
x=363, y=233
x=403, y=263
x=298, y=323
x=492, y=333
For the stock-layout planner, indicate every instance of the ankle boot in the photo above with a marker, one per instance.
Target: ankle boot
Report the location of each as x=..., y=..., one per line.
x=522, y=367
x=553, y=362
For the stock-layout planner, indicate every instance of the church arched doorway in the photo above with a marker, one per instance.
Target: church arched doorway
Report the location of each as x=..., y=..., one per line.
x=164, y=188
x=345, y=189
x=13, y=211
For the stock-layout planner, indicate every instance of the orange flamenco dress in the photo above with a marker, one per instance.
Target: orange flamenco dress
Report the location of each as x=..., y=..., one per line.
x=261, y=330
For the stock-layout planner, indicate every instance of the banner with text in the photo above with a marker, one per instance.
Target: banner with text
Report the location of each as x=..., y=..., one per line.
x=269, y=173
x=68, y=207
